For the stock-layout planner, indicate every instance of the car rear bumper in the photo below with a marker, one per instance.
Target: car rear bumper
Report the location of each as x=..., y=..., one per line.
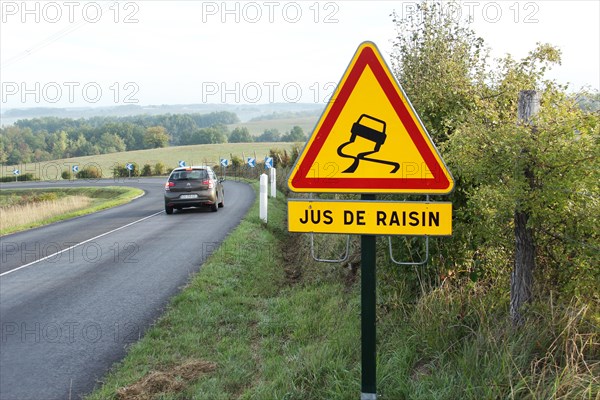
x=176, y=201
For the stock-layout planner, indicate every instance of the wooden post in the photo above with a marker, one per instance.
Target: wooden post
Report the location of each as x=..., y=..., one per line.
x=521, y=279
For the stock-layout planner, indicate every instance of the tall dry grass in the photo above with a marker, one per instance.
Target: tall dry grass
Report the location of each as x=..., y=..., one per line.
x=570, y=367
x=30, y=213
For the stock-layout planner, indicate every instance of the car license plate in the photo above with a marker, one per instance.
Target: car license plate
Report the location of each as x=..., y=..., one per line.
x=188, y=196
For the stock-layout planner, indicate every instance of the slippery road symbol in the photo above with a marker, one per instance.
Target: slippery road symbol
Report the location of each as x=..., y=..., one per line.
x=376, y=136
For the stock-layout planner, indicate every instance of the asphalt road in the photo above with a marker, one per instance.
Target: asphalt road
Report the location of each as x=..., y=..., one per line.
x=106, y=277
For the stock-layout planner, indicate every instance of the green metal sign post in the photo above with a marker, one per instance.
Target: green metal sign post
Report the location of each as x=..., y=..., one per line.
x=368, y=300
x=371, y=105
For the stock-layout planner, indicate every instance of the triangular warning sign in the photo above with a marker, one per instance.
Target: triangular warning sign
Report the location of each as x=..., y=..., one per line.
x=369, y=139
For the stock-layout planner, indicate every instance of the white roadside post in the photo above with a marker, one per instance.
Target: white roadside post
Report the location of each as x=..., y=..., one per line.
x=264, y=182
x=273, y=183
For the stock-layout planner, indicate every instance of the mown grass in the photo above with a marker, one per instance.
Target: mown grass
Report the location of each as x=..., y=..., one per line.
x=203, y=154
x=277, y=325
x=23, y=209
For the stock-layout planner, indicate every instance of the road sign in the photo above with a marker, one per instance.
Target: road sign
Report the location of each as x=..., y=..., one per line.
x=251, y=161
x=129, y=166
x=369, y=139
x=75, y=168
x=224, y=162
x=16, y=172
x=370, y=217
x=181, y=163
x=268, y=162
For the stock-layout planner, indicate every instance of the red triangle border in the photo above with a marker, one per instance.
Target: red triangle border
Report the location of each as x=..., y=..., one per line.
x=439, y=180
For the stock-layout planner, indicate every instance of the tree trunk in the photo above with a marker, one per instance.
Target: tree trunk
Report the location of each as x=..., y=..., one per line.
x=521, y=279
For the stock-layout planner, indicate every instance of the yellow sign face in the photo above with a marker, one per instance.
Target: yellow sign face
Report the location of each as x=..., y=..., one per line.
x=370, y=217
x=369, y=139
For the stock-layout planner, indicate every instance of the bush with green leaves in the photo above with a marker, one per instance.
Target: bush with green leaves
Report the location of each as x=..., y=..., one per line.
x=21, y=178
x=121, y=171
x=159, y=168
x=549, y=170
x=146, y=170
x=91, y=172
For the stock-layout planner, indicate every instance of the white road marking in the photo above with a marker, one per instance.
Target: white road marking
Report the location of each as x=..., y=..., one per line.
x=79, y=244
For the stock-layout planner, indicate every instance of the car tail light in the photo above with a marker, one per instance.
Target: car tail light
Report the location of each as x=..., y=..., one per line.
x=208, y=182
x=169, y=185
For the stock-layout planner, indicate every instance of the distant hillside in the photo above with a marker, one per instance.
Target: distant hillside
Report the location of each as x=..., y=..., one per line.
x=288, y=115
x=48, y=138
x=245, y=112
x=258, y=126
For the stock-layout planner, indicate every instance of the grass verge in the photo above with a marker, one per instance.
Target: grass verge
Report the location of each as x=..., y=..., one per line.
x=268, y=335
x=45, y=206
x=263, y=321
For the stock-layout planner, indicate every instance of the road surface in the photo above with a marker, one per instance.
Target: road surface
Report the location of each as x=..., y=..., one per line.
x=104, y=280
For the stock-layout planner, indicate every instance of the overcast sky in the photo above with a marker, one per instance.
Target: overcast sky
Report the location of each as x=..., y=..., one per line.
x=81, y=53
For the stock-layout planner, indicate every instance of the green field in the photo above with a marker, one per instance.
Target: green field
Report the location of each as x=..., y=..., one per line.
x=208, y=154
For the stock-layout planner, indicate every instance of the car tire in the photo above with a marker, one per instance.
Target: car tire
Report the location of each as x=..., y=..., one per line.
x=168, y=210
x=214, y=207
x=222, y=203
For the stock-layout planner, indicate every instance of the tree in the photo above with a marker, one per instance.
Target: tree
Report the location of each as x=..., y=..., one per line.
x=295, y=135
x=111, y=143
x=504, y=169
x=58, y=144
x=269, y=135
x=155, y=137
x=211, y=135
x=441, y=65
x=3, y=154
x=81, y=147
x=240, y=135
x=537, y=184
x=46, y=138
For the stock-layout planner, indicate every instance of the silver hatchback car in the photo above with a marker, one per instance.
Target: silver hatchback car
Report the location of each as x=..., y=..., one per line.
x=193, y=187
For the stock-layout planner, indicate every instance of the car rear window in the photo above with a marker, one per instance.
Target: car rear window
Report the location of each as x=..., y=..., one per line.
x=193, y=175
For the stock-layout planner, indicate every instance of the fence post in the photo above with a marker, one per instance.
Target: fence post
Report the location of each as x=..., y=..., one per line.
x=273, y=183
x=264, y=182
x=521, y=278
